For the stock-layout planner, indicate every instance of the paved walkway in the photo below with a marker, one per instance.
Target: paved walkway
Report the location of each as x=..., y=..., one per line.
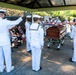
x=53, y=62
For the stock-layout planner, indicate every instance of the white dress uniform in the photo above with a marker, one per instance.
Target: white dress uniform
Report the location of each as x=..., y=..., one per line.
x=73, y=35
x=36, y=43
x=27, y=25
x=5, y=45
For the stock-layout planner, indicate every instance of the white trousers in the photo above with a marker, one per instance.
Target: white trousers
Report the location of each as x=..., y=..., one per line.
x=36, y=57
x=5, y=53
x=27, y=46
x=74, y=53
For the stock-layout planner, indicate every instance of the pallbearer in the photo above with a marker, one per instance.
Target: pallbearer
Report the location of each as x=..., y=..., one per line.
x=73, y=35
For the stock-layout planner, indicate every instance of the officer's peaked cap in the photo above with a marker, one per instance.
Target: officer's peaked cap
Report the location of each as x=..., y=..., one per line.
x=2, y=11
x=36, y=16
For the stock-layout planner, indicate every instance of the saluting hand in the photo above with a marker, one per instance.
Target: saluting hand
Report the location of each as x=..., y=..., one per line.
x=22, y=15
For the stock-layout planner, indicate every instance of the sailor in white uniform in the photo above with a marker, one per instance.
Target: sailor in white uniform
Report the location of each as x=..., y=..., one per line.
x=36, y=42
x=57, y=21
x=27, y=25
x=5, y=45
x=73, y=35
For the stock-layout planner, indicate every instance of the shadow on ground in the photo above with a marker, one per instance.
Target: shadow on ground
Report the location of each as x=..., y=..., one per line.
x=53, y=62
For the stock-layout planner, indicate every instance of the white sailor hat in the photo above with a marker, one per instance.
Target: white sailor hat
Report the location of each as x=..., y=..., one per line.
x=36, y=16
x=42, y=17
x=28, y=16
x=50, y=17
x=2, y=11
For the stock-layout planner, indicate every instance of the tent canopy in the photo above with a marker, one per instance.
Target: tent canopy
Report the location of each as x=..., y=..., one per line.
x=39, y=5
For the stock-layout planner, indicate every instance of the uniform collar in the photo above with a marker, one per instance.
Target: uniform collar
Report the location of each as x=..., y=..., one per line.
x=0, y=18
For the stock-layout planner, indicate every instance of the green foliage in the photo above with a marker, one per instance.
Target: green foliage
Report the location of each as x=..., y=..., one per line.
x=70, y=18
x=62, y=18
x=42, y=13
x=63, y=14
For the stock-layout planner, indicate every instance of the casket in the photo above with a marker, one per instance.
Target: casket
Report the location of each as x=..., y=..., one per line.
x=56, y=32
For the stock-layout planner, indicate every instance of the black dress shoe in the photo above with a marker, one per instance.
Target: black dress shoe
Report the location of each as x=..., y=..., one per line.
x=38, y=70
x=29, y=51
x=71, y=60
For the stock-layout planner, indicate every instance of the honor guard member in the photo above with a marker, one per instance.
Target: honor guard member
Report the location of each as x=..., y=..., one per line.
x=73, y=35
x=27, y=25
x=5, y=45
x=41, y=21
x=36, y=42
x=57, y=21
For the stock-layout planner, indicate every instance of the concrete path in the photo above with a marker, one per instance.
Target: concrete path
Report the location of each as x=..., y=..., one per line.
x=53, y=62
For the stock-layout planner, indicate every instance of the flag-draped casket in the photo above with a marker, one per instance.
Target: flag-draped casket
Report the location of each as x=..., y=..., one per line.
x=56, y=32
